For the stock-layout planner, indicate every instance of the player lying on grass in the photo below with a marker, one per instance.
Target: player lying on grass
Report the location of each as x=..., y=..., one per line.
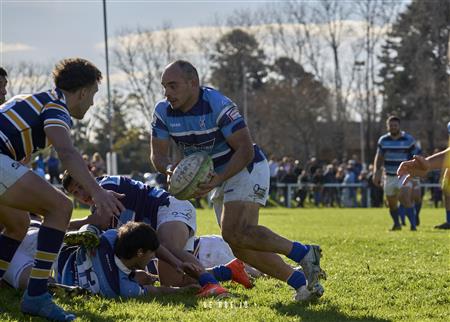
x=173, y=219
x=87, y=257
x=114, y=267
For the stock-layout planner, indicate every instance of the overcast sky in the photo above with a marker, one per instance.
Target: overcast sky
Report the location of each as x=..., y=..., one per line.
x=46, y=31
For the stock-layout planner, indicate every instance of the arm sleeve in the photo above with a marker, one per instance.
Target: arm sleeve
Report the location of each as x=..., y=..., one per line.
x=56, y=115
x=229, y=119
x=158, y=127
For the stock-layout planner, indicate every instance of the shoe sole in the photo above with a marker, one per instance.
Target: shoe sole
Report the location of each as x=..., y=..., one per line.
x=62, y=290
x=86, y=239
x=317, y=270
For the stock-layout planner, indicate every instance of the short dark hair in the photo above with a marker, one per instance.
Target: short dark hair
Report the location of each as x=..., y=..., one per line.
x=393, y=118
x=71, y=74
x=134, y=236
x=3, y=72
x=66, y=180
x=189, y=71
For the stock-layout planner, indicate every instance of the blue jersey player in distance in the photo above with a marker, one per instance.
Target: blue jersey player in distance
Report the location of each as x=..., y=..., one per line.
x=200, y=118
x=395, y=147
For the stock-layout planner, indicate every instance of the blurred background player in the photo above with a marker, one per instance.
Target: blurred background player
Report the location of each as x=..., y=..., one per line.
x=29, y=123
x=393, y=148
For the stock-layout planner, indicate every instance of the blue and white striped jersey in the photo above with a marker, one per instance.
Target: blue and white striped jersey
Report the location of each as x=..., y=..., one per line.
x=101, y=271
x=396, y=151
x=23, y=119
x=205, y=127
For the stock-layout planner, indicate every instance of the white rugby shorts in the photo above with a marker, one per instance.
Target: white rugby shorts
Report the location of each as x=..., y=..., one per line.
x=393, y=184
x=179, y=210
x=212, y=251
x=10, y=172
x=243, y=186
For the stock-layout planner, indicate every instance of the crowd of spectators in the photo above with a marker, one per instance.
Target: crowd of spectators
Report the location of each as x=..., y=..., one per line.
x=311, y=180
x=49, y=168
x=337, y=183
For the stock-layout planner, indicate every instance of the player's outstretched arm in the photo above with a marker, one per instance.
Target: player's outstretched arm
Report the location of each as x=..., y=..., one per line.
x=107, y=202
x=419, y=166
x=416, y=167
x=439, y=160
x=191, y=269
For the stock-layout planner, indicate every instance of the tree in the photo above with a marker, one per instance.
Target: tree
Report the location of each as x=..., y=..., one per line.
x=295, y=103
x=28, y=77
x=141, y=55
x=415, y=73
x=238, y=59
x=130, y=142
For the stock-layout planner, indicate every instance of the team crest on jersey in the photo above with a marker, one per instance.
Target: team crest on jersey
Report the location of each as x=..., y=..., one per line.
x=202, y=122
x=233, y=113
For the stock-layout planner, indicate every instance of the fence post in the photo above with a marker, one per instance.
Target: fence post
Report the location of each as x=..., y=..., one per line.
x=288, y=197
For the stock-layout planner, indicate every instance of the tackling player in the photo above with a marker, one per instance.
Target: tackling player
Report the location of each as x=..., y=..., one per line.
x=393, y=148
x=29, y=123
x=202, y=119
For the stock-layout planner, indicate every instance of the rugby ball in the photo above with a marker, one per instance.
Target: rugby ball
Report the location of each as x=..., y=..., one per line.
x=190, y=172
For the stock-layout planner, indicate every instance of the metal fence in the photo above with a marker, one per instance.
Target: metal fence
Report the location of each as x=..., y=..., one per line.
x=291, y=188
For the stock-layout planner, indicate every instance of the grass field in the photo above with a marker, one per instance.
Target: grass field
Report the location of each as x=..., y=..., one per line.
x=373, y=275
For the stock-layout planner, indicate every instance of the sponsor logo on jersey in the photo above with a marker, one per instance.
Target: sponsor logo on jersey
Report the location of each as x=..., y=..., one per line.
x=206, y=146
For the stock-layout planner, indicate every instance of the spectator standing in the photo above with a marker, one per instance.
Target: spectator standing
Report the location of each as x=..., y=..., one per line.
x=349, y=193
x=53, y=168
x=318, y=181
x=329, y=193
x=302, y=192
x=273, y=170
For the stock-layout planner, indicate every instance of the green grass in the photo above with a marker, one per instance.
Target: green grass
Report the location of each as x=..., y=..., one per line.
x=373, y=275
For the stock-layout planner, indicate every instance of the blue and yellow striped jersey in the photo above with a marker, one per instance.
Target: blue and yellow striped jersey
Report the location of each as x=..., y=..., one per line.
x=23, y=119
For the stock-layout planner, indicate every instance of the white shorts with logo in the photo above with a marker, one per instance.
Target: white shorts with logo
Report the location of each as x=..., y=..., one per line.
x=212, y=251
x=10, y=172
x=179, y=210
x=392, y=185
x=23, y=258
x=243, y=186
